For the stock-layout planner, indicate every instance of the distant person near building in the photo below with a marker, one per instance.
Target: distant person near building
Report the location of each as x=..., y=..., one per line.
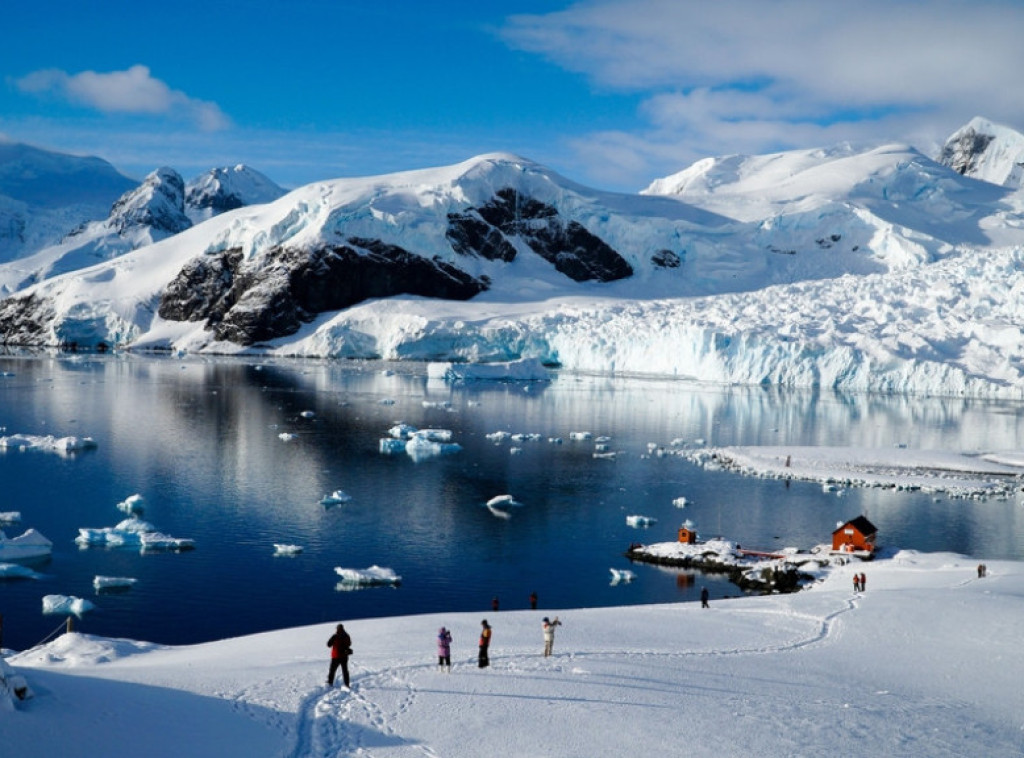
x=704, y=597
x=533, y=601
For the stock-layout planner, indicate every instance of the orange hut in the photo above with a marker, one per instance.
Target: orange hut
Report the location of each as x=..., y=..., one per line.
x=856, y=535
x=687, y=535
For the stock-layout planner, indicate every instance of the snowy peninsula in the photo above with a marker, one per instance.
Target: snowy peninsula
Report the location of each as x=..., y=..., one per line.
x=925, y=662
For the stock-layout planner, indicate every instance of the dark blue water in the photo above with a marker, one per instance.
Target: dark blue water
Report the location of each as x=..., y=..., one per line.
x=199, y=440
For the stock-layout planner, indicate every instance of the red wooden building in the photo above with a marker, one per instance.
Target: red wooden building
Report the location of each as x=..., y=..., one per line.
x=687, y=535
x=856, y=535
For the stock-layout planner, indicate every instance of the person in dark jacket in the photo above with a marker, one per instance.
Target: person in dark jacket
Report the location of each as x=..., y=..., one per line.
x=483, y=660
x=341, y=648
x=704, y=597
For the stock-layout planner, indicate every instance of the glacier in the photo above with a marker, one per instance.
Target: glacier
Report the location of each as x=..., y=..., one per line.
x=854, y=268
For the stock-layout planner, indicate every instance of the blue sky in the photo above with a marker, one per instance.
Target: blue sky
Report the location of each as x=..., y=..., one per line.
x=608, y=92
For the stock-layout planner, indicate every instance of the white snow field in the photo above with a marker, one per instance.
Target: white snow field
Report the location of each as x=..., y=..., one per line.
x=926, y=662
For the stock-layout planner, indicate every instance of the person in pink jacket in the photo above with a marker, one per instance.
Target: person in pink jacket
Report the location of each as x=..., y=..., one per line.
x=444, y=650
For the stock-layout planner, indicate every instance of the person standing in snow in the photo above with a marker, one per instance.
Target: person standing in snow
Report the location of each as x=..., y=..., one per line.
x=856, y=582
x=549, y=634
x=533, y=601
x=704, y=597
x=483, y=660
x=444, y=650
x=341, y=648
x=863, y=582
x=494, y=604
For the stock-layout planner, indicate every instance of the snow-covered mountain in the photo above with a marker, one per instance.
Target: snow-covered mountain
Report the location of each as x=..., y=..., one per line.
x=986, y=151
x=225, y=189
x=44, y=195
x=162, y=206
x=856, y=268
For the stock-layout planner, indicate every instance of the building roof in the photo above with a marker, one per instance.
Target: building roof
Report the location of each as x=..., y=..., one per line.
x=861, y=524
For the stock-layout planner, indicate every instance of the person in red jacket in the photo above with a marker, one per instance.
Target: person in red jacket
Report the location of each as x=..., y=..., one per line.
x=341, y=648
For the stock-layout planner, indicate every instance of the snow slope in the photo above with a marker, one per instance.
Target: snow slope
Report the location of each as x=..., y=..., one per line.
x=925, y=662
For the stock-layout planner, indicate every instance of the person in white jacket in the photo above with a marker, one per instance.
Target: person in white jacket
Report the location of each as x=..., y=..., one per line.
x=549, y=634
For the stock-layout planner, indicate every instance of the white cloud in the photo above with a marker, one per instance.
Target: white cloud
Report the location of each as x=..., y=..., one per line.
x=758, y=75
x=134, y=90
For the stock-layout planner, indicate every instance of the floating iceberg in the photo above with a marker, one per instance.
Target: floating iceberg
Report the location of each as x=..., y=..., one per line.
x=580, y=436
x=525, y=370
x=418, y=444
x=48, y=443
x=307, y=414
x=31, y=544
x=284, y=549
x=10, y=517
x=640, y=521
x=287, y=436
x=338, y=497
x=17, y=571
x=101, y=583
x=622, y=575
x=374, y=576
x=66, y=605
x=680, y=502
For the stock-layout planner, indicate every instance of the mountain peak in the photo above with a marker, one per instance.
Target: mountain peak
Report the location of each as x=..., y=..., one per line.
x=158, y=203
x=986, y=151
x=225, y=189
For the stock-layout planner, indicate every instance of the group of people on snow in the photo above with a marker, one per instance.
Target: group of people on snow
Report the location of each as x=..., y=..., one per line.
x=859, y=582
x=340, y=644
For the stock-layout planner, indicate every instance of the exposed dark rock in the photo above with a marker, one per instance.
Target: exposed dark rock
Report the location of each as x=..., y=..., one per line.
x=666, y=259
x=22, y=319
x=568, y=245
x=471, y=235
x=962, y=154
x=292, y=286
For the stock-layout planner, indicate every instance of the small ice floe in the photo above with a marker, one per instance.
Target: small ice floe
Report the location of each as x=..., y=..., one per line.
x=287, y=436
x=607, y=456
x=386, y=401
x=515, y=450
x=112, y=583
x=622, y=575
x=391, y=446
x=499, y=501
x=132, y=504
x=680, y=502
x=17, y=571
x=497, y=437
x=831, y=487
x=30, y=544
x=401, y=431
x=441, y=404
x=374, y=576
x=580, y=436
x=10, y=517
x=307, y=414
x=66, y=605
x=499, y=505
x=601, y=447
x=338, y=497
x=284, y=549
x=132, y=532
x=640, y=521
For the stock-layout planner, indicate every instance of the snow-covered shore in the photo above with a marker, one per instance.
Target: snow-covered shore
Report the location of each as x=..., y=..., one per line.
x=924, y=663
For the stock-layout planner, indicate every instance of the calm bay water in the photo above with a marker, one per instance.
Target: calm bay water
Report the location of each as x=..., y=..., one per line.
x=199, y=440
